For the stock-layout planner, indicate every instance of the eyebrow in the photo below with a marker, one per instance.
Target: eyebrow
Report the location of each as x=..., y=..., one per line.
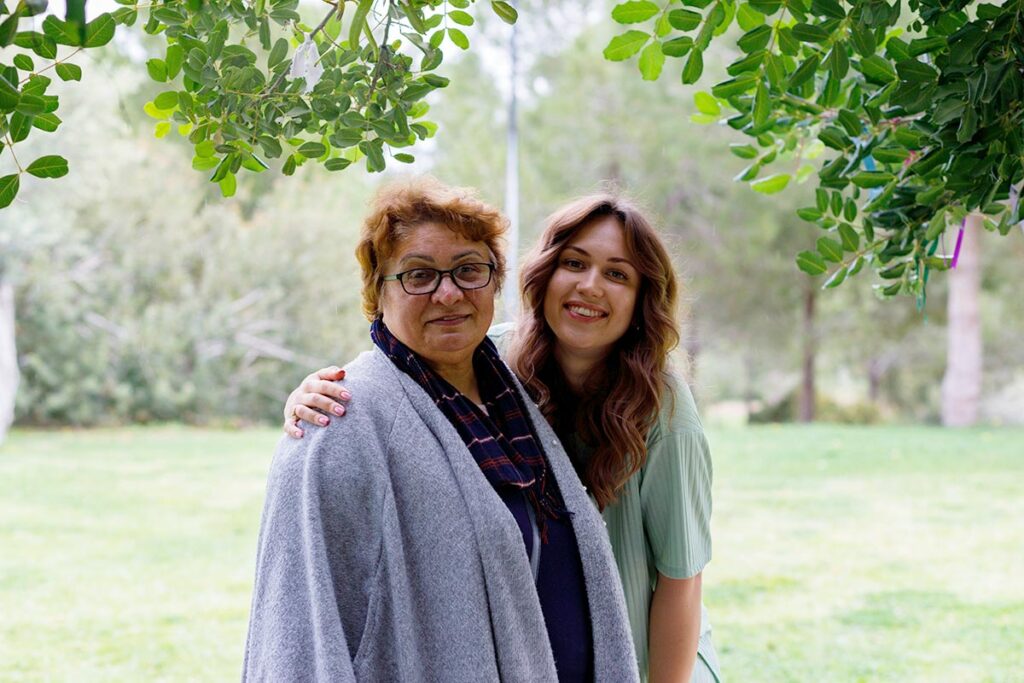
x=614, y=259
x=430, y=259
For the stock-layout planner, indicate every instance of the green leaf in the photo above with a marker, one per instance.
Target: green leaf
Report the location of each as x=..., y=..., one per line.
x=849, y=236
x=751, y=62
x=748, y=17
x=809, y=214
x=811, y=263
x=762, y=105
x=734, y=86
x=157, y=69
x=24, y=62
x=405, y=158
x=828, y=8
x=770, y=185
x=69, y=72
x=9, y=185
x=913, y=71
x=44, y=46
x=706, y=104
x=358, y=23
x=626, y=45
x=228, y=185
x=166, y=101
x=289, y=165
x=337, y=164
x=836, y=278
x=9, y=95
x=461, y=18
x=634, y=12
x=694, y=67
x=677, y=47
x=920, y=46
x=878, y=69
x=684, y=19
x=743, y=151
x=505, y=11
x=30, y=105
x=205, y=149
x=652, y=59
x=810, y=33
x=806, y=70
x=9, y=29
x=99, y=31
x=61, y=31
x=312, y=150
x=47, y=122
x=277, y=53
x=175, y=54
x=838, y=61
x=162, y=129
x=459, y=38
x=755, y=39
x=863, y=40
x=374, y=155
x=205, y=163
x=870, y=179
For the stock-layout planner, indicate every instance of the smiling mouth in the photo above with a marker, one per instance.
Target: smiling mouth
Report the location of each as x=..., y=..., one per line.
x=450, y=319
x=585, y=311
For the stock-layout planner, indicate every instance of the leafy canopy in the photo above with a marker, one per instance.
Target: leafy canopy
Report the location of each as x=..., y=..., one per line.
x=916, y=119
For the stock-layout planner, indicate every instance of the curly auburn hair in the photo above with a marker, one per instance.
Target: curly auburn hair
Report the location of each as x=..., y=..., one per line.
x=399, y=207
x=624, y=395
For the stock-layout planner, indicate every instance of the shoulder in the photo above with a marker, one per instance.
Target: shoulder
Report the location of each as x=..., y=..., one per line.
x=501, y=334
x=353, y=446
x=678, y=412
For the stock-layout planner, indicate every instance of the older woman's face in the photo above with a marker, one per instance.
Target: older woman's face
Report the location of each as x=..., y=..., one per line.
x=444, y=327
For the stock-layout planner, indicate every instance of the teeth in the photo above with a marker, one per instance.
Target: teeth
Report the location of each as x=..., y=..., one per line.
x=586, y=312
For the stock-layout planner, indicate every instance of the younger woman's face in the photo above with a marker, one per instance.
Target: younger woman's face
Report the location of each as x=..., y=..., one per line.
x=592, y=294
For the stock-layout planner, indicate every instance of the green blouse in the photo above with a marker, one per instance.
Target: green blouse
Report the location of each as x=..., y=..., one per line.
x=661, y=521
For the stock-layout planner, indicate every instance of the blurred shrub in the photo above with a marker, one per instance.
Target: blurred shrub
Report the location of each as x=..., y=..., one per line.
x=825, y=410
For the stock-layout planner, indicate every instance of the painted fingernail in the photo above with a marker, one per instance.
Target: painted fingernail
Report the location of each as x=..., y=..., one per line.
x=339, y=411
x=345, y=396
x=323, y=420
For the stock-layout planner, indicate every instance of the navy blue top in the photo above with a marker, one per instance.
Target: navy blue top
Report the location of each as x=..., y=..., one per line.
x=561, y=589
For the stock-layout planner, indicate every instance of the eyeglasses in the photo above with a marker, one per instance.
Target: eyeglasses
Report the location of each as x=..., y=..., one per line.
x=427, y=280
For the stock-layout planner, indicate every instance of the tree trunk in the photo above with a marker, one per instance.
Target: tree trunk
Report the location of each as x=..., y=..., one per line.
x=961, y=386
x=8, y=359
x=810, y=349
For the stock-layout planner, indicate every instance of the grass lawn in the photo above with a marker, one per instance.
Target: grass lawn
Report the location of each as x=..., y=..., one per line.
x=841, y=553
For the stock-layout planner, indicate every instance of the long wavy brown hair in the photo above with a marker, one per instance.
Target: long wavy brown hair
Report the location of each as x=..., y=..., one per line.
x=624, y=394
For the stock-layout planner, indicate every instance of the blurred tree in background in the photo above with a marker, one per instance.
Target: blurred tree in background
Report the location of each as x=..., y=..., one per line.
x=143, y=296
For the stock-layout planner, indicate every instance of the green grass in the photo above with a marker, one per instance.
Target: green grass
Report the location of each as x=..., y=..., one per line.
x=841, y=554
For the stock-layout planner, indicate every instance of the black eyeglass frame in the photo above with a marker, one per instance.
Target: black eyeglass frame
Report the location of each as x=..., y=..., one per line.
x=440, y=276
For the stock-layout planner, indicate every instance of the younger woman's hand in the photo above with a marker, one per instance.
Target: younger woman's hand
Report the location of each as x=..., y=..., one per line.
x=314, y=399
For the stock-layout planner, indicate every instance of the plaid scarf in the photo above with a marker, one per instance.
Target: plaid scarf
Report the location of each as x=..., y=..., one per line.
x=501, y=441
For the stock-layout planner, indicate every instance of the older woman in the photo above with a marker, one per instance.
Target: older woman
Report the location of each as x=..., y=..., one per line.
x=438, y=533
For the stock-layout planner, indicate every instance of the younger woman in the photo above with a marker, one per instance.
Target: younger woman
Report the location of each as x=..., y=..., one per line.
x=592, y=348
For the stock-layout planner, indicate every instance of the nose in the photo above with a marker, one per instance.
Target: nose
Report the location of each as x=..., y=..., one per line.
x=589, y=283
x=447, y=292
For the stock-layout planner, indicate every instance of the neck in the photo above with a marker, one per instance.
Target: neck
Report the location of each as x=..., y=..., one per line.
x=462, y=376
x=578, y=367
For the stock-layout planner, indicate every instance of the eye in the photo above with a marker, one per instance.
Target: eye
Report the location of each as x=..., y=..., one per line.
x=573, y=263
x=618, y=275
x=469, y=270
x=420, y=276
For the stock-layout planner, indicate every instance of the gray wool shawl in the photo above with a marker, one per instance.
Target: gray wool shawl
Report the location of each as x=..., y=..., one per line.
x=385, y=554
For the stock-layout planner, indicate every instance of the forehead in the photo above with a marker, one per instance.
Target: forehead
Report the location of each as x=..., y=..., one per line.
x=602, y=236
x=434, y=241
